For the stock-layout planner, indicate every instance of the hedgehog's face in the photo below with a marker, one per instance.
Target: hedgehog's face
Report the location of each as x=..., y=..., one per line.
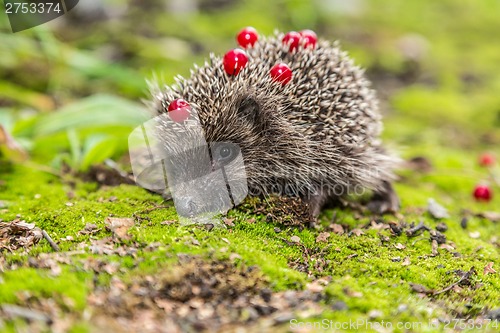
x=204, y=164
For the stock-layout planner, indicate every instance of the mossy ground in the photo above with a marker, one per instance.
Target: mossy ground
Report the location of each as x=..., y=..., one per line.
x=441, y=104
x=363, y=273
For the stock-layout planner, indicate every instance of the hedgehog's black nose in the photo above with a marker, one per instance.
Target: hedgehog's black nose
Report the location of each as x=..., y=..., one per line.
x=185, y=206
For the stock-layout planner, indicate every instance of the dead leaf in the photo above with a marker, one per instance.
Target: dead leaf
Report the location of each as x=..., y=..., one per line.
x=379, y=226
x=322, y=237
x=447, y=247
x=119, y=226
x=358, y=232
x=229, y=222
x=315, y=287
x=400, y=246
x=406, y=261
x=18, y=234
x=89, y=229
x=295, y=239
x=336, y=228
x=488, y=269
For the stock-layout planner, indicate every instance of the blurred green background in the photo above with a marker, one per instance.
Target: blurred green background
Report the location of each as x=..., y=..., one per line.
x=73, y=86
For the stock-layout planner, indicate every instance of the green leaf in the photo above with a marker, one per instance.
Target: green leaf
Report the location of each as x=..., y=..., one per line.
x=22, y=95
x=91, y=66
x=93, y=111
x=75, y=147
x=98, y=149
x=25, y=127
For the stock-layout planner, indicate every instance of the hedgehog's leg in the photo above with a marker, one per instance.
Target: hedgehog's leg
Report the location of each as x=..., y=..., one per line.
x=384, y=200
x=315, y=202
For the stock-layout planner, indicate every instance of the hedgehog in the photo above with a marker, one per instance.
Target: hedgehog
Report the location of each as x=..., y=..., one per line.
x=302, y=115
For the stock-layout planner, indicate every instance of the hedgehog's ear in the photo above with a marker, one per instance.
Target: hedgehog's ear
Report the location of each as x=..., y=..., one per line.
x=249, y=109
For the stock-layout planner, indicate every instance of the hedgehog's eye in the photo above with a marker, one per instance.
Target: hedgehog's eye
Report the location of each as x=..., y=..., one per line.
x=224, y=153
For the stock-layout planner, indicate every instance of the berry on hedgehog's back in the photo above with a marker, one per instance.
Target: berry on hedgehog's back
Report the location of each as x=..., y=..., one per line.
x=301, y=111
x=325, y=85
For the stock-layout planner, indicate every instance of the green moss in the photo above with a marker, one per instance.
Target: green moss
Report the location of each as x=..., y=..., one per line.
x=29, y=282
x=365, y=274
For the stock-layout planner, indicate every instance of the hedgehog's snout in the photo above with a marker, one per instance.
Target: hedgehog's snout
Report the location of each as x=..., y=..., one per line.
x=207, y=194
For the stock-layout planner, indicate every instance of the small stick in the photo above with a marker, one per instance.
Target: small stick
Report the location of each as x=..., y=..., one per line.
x=334, y=217
x=51, y=242
x=148, y=210
x=417, y=230
x=26, y=313
x=464, y=277
x=138, y=218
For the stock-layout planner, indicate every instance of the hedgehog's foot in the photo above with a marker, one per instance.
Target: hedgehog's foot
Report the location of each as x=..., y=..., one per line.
x=384, y=200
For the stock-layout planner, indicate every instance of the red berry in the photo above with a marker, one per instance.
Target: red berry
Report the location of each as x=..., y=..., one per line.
x=483, y=193
x=486, y=160
x=309, y=38
x=247, y=37
x=292, y=39
x=281, y=73
x=178, y=110
x=234, y=61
